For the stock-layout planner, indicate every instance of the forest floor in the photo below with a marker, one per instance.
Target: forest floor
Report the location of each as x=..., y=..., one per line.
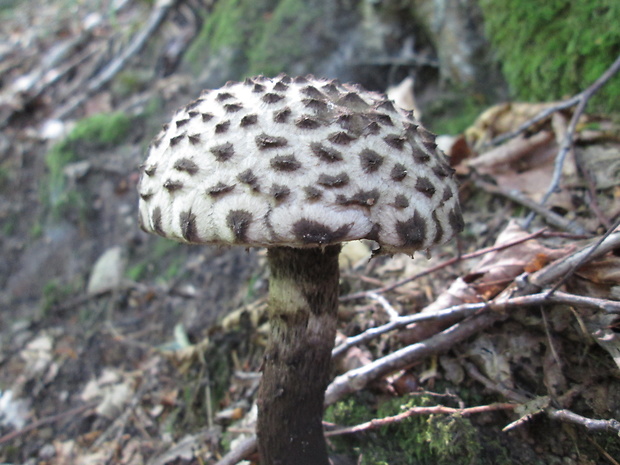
x=503, y=347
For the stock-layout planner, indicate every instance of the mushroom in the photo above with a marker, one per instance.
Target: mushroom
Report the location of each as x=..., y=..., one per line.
x=297, y=165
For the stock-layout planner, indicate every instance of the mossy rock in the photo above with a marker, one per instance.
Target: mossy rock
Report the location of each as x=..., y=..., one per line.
x=554, y=49
x=435, y=439
x=250, y=37
x=97, y=132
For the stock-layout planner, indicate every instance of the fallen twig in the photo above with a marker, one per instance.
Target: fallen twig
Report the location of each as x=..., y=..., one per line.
x=109, y=72
x=581, y=100
x=418, y=411
x=556, y=414
x=444, y=264
x=550, y=217
x=612, y=245
x=46, y=421
x=468, y=309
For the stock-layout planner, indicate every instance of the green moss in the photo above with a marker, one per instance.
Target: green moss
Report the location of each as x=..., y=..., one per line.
x=231, y=26
x=282, y=42
x=553, y=49
x=452, y=114
x=260, y=36
x=103, y=129
x=93, y=133
x=435, y=439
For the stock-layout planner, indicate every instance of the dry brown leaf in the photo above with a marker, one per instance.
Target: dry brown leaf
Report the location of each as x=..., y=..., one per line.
x=503, y=118
x=488, y=278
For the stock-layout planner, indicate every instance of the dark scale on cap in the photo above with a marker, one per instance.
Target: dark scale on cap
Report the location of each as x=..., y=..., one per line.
x=339, y=180
x=193, y=114
x=401, y=201
x=307, y=122
x=239, y=222
x=272, y=97
x=258, y=88
x=223, y=96
x=331, y=89
x=187, y=165
x=182, y=122
x=447, y=194
x=313, y=232
x=411, y=128
x=412, y=232
x=327, y=154
x=315, y=104
x=220, y=189
x=429, y=145
x=285, y=78
x=207, y=117
x=156, y=220
x=373, y=129
x=353, y=100
x=157, y=141
x=264, y=142
x=194, y=139
x=150, y=170
x=221, y=128
x=282, y=116
x=382, y=118
x=279, y=192
x=312, y=92
x=425, y=186
x=456, y=220
x=248, y=177
x=146, y=196
x=387, y=106
x=438, y=228
x=399, y=172
x=232, y=107
x=300, y=80
x=280, y=86
x=176, y=139
x=421, y=157
x=188, y=227
x=370, y=160
x=172, y=186
x=248, y=120
x=362, y=198
x=373, y=235
x=395, y=141
x=285, y=163
x=313, y=193
x=194, y=104
x=223, y=152
x=442, y=171
x=340, y=138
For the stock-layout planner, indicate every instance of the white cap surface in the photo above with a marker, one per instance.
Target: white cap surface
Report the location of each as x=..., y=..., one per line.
x=297, y=162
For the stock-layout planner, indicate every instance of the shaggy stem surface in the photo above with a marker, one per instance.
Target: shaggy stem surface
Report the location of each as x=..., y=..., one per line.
x=303, y=305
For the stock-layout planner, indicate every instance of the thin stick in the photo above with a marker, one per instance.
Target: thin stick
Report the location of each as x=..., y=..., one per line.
x=46, y=421
x=613, y=69
x=444, y=264
x=550, y=217
x=418, y=411
x=585, y=257
x=567, y=143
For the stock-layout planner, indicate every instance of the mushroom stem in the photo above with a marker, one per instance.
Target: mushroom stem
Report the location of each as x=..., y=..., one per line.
x=303, y=305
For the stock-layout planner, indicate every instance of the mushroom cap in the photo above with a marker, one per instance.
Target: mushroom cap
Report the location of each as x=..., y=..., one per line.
x=297, y=162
